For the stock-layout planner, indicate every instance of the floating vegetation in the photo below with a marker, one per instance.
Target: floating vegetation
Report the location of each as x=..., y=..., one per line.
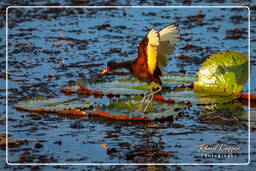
x=124, y=96
x=222, y=74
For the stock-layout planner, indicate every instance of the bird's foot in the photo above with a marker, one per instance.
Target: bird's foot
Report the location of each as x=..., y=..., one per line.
x=141, y=104
x=150, y=97
x=150, y=102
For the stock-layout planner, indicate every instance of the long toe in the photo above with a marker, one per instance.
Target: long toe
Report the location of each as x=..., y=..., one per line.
x=138, y=109
x=141, y=104
x=151, y=95
x=150, y=98
x=148, y=104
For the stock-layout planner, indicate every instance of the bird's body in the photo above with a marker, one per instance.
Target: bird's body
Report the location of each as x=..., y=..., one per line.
x=140, y=71
x=153, y=53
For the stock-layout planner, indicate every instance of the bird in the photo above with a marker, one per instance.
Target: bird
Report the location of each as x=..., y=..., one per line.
x=153, y=54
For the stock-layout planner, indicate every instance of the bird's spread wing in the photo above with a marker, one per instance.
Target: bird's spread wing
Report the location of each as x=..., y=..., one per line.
x=156, y=47
x=147, y=49
x=168, y=38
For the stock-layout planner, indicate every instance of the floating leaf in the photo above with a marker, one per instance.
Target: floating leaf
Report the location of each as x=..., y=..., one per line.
x=217, y=119
x=132, y=86
x=134, y=117
x=64, y=111
x=124, y=108
x=59, y=106
x=156, y=126
x=222, y=74
x=246, y=96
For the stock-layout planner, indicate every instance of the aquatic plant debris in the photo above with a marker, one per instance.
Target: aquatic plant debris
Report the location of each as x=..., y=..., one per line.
x=13, y=143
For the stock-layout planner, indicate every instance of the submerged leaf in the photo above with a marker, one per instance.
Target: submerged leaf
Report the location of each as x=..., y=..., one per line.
x=222, y=74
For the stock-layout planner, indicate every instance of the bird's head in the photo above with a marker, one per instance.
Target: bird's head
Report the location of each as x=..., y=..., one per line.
x=110, y=67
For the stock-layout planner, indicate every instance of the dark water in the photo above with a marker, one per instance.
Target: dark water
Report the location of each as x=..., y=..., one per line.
x=92, y=38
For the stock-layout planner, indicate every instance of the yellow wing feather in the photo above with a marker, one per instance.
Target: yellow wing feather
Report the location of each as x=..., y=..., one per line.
x=153, y=42
x=157, y=46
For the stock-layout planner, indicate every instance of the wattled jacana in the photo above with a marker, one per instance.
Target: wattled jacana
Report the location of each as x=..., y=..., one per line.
x=153, y=54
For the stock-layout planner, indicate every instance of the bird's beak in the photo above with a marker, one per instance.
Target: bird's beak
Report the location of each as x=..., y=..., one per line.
x=105, y=71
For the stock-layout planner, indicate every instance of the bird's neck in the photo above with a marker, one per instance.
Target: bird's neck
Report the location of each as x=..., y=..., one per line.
x=126, y=65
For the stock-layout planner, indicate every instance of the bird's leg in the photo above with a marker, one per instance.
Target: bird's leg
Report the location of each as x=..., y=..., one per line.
x=149, y=102
x=151, y=99
x=143, y=101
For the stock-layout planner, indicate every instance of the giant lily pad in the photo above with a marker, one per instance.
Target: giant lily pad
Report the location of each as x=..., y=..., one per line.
x=158, y=109
x=222, y=74
x=134, y=87
x=59, y=106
